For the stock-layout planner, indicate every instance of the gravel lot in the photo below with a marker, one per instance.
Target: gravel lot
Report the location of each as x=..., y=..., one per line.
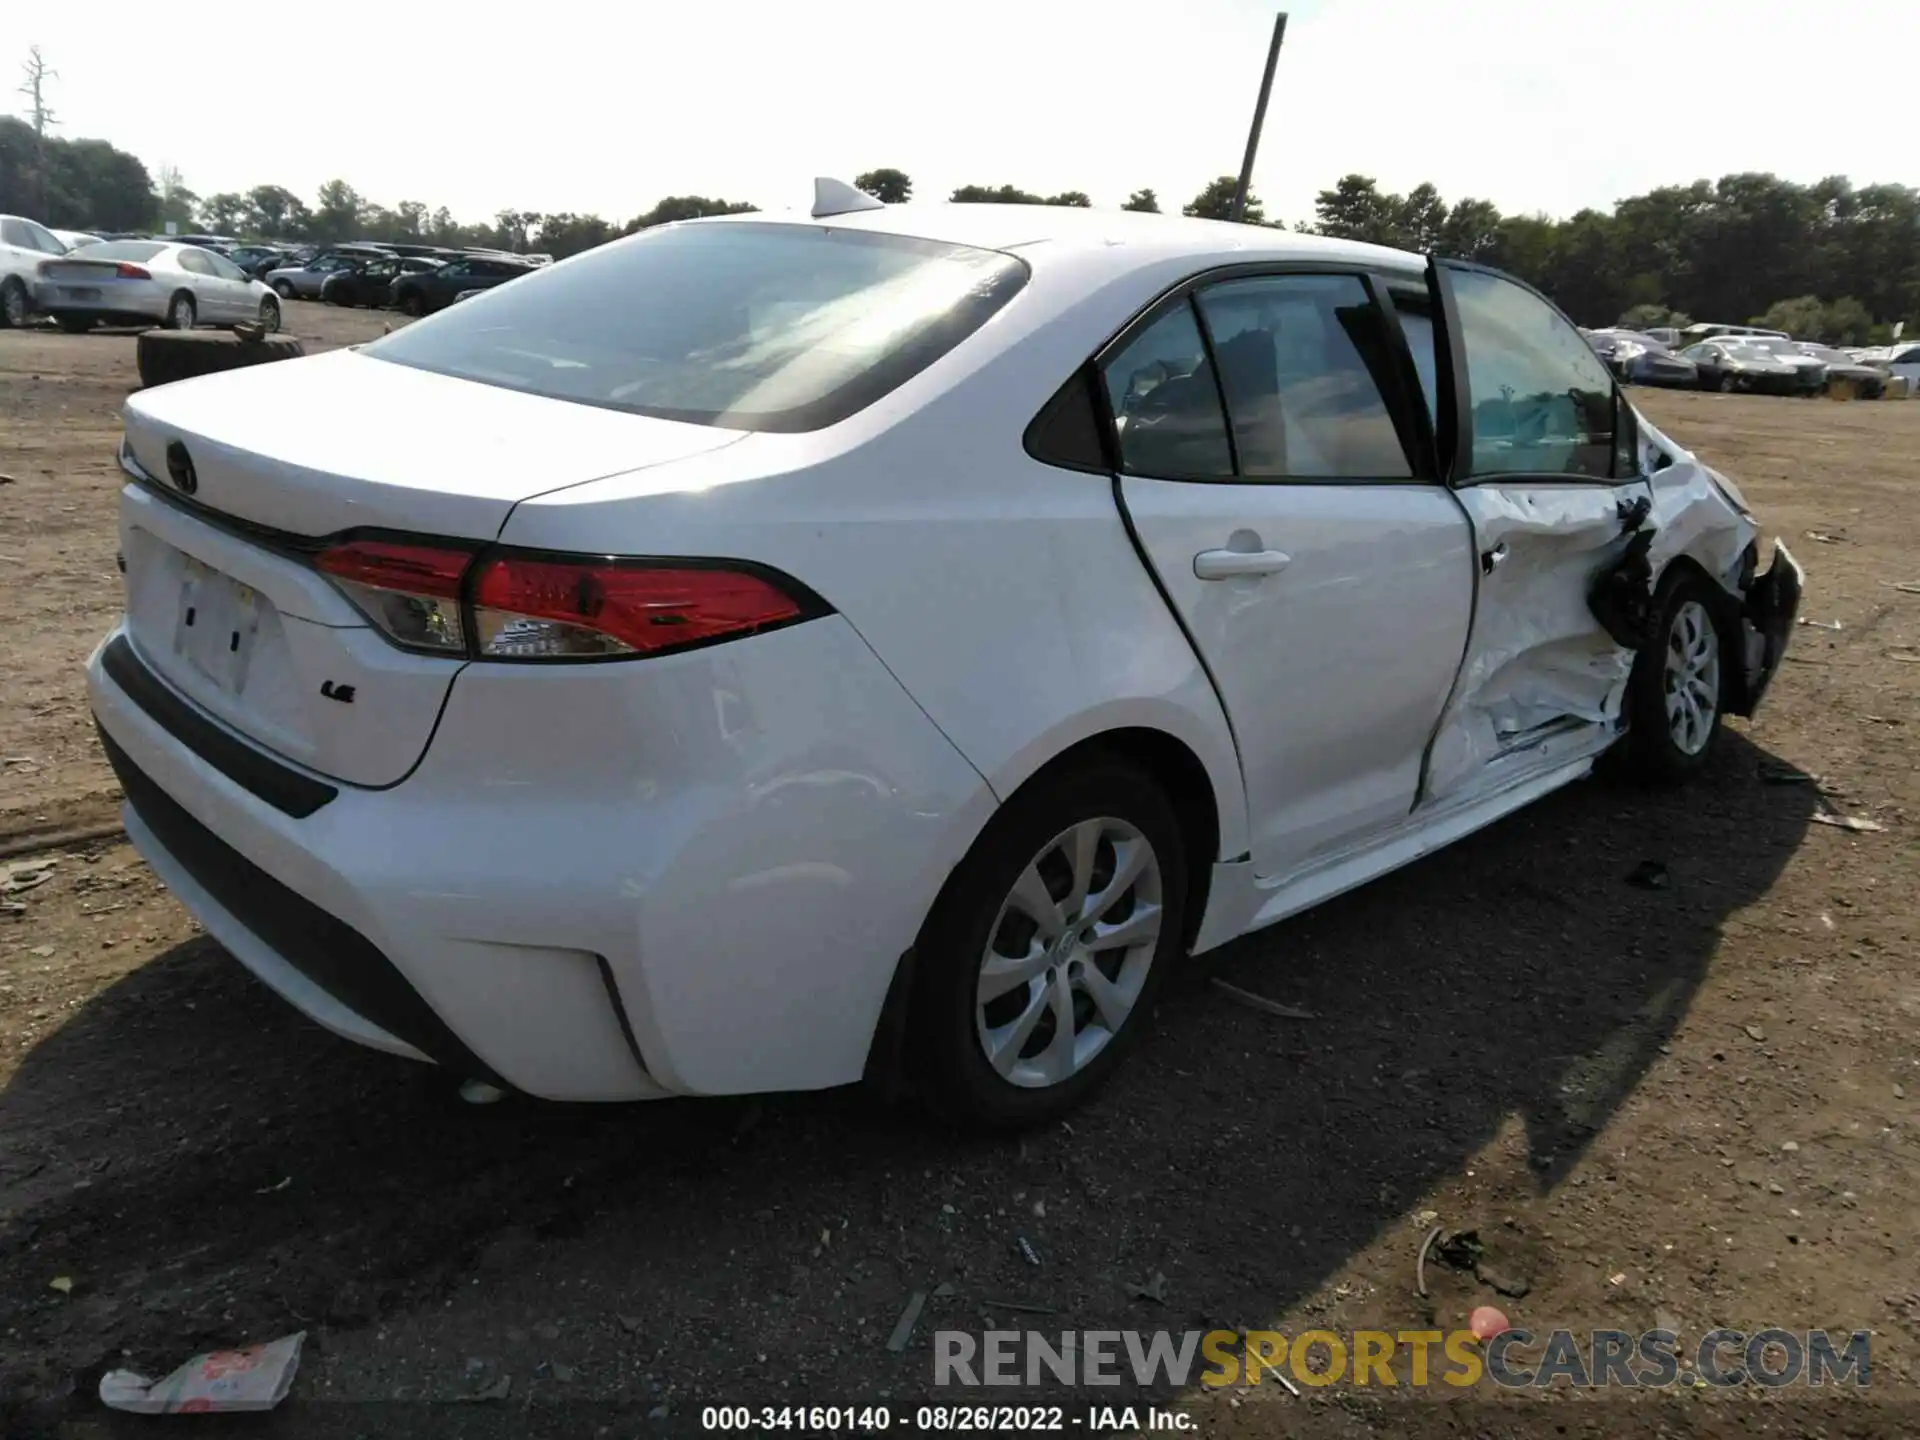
x=1693, y=1103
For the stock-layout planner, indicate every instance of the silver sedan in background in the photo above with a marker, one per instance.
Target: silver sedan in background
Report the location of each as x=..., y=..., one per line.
x=151, y=282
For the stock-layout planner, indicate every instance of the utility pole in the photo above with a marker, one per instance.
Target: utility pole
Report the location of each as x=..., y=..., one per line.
x=1259, y=118
x=38, y=72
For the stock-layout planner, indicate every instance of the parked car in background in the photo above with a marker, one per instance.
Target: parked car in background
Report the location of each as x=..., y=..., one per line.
x=24, y=245
x=1641, y=360
x=371, y=282
x=680, y=754
x=72, y=239
x=1867, y=382
x=423, y=294
x=1666, y=335
x=1693, y=334
x=151, y=282
x=220, y=243
x=1732, y=365
x=256, y=260
x=1814, y=369
x=303, y=280
x=1902, y=362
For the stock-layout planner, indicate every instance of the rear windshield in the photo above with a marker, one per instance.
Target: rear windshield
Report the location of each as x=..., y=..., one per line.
x=118, y=250
x=741, y=325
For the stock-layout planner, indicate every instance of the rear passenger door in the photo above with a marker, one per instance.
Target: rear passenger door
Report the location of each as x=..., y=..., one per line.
x=1544, y=459
x=1276, y=465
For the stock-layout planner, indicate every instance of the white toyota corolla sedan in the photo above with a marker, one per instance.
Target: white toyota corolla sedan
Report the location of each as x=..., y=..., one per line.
x=763, y=652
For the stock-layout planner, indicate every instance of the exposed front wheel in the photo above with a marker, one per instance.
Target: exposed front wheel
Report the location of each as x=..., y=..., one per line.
x=1677, y=691
x=269, y=315
x=1042, y=956
x=413, y=303
x=1726, y=384
x=15, y=307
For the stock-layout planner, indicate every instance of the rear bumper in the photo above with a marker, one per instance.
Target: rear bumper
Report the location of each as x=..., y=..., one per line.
x=134, y=303
x=598, y=885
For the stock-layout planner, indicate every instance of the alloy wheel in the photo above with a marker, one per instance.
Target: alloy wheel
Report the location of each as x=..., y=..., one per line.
x=1692, y=677
x=1068, y=954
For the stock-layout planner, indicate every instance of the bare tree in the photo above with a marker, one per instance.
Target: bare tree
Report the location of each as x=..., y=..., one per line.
x=34, y=87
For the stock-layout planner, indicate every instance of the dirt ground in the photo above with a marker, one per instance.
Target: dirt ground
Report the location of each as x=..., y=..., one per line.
x=1690, y=1105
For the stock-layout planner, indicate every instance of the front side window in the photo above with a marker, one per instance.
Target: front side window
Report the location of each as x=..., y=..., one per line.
x=745, y=325
x=1302, y=359
x=1166, y=404
x=1542, y=401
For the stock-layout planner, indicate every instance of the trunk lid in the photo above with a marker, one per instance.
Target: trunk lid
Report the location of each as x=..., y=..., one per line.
x=340, y=441
x=235, y=617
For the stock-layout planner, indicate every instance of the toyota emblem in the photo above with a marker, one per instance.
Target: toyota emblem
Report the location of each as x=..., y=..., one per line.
x=180, y=469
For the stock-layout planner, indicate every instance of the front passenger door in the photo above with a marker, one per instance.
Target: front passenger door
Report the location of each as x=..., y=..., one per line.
x=1546, y=465
x=1276, y=466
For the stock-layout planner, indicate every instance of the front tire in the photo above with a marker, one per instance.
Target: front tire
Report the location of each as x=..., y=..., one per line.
x=16, y=308
x=284, y=289
x=1040, y=961
x=1677, y=692
x=269, y=315
x=414, y=304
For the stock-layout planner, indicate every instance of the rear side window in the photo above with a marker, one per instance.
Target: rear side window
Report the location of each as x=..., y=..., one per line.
x=132, y=250
x=196, y=260
x=1302, y=358
x=1542, y=400
x=744, y=325
x=1166, y=403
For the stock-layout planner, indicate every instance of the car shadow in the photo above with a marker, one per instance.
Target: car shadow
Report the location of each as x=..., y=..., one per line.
x=209, y=1167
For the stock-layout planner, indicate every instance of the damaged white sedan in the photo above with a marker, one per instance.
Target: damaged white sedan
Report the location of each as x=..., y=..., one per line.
x=761, y=653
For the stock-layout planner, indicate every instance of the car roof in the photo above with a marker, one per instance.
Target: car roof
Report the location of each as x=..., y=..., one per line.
x=1056, y=234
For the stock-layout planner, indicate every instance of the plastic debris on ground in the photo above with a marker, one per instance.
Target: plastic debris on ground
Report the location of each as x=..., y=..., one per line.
x=1027, y=1252
x=255, y=1378
x=909, y=1317
x=1261, y=1002
x=1154, y=1289
x=1857, y=823
x=1486, y=1322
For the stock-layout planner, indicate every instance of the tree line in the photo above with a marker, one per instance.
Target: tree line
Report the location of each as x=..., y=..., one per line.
x=1827, y=260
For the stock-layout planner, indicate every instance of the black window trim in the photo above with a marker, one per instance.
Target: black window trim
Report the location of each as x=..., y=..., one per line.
x=1459, y=468
x=1407, y=411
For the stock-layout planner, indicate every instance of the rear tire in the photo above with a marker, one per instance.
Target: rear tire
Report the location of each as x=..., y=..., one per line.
x=16, y=306
x=1677, y=693
x=182, y=313
x=1089, y=830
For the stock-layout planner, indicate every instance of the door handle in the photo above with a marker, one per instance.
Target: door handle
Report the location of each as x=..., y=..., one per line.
x=1225, y=564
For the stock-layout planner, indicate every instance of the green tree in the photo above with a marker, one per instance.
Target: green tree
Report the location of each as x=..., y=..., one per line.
x=1472, y=230
x=568, y=234
x=1803, y=316
x=1420, y=219
x=891, y=187
x=1215, y=202
x=225, y=213
x=338, y=215
x=1145, y=201
x=995, y=195
x=1355, y=209
x=685, y=207
x=276, y=212
x=1846, y=322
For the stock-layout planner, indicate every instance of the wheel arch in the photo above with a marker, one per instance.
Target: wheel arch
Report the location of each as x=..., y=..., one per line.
x=1190, y=788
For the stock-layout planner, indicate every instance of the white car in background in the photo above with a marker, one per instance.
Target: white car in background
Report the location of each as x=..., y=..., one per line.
x=756, y=654
x=151, y=282
x=24, y=245
x=74, y=239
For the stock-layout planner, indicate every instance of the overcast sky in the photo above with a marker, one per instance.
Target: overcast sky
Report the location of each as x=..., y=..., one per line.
x=567, y=105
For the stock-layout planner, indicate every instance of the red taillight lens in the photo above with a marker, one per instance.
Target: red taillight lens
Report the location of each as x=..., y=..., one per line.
x=527, y=609
x=132, y=272
x=412, y=592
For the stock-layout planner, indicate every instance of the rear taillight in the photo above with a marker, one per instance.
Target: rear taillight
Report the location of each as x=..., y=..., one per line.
x=132, y=272
x=556, y=608
x=412, y=592
x=547, y=609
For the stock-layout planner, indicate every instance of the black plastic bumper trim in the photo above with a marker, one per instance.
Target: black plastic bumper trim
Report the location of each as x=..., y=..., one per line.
x=254, y=771
x=321, y=946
